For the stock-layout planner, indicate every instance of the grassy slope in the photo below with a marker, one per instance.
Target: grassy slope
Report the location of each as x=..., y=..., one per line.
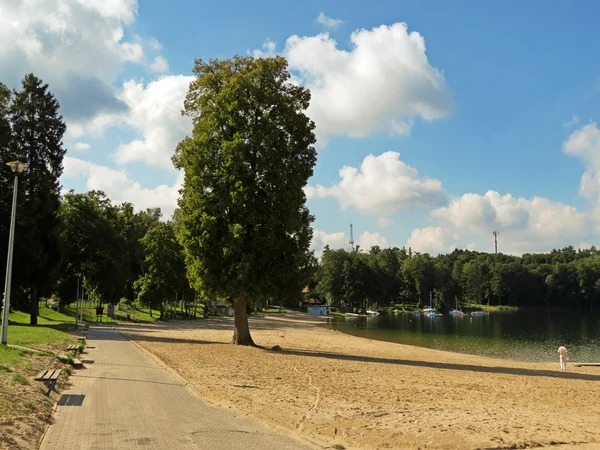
x=24, y=410
x=141, y=315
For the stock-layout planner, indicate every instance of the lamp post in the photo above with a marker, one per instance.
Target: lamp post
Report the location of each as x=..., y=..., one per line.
x=17, y=167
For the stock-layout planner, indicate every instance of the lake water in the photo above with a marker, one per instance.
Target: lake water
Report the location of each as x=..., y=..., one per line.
x=521, y=335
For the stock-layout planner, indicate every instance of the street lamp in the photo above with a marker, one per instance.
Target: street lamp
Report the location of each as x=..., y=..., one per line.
x=17, y=167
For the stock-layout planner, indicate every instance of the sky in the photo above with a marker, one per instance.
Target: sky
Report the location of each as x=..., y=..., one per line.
x=437, y=122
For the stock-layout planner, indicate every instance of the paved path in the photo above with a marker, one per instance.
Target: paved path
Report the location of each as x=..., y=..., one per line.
x=132, y=402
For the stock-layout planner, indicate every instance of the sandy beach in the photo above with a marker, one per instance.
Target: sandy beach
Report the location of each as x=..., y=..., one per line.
x=333, y=389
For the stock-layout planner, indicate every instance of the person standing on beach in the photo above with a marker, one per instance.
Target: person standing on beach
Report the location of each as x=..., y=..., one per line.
x=563, y=356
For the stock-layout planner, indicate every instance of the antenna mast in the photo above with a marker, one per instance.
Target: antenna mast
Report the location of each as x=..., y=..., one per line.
x=351, y=238
x=495, y=233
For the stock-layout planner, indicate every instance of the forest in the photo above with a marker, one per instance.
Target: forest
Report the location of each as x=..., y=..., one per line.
x=382, y=277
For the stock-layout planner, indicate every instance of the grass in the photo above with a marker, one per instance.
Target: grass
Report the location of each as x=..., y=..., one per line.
x=490, y=308
x=18, y=378
x=52, y=327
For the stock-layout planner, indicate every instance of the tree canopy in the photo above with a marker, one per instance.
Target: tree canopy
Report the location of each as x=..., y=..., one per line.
x=244, y=224
x=561, y=278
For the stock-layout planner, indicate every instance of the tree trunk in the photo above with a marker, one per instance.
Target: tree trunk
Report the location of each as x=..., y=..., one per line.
x=241, y=334
x=34, y=307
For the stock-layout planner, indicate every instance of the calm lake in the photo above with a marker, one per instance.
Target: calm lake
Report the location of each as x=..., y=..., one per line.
x=521, y=335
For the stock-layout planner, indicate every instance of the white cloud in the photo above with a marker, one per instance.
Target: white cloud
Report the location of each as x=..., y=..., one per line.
x=536, y=224
x=74, y=131
x=155, y=110
x=432, y=240
x=368, y=240
x=76, y=46
x=321, y=239
x=82, y=146
x=160, y=64
x=268, y=50
x=585, y=143
x=384, y=222
x=383, y=184
x=328, y=22
x=380, y=85
x=120, y=188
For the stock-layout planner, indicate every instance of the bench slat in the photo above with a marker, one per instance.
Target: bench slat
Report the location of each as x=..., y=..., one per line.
x=55, y=374
x=48, y=375
x=40, y=375
x=72, y=347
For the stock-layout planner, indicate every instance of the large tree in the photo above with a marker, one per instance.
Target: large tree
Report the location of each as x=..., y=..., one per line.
x=164, y=275
x=244, y=223
x=92, y=246
x=37, y=129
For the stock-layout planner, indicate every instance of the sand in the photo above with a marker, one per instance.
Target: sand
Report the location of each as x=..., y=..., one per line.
x=334, y=389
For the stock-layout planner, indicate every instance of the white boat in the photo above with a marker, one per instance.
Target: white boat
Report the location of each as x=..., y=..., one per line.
x=458, y=311
x=480, y=313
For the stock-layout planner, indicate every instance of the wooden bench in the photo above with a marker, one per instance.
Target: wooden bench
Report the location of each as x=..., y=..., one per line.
x=49, y=377
x=73, y=348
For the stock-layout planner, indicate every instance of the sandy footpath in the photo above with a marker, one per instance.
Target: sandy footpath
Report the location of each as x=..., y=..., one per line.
x=332, y=388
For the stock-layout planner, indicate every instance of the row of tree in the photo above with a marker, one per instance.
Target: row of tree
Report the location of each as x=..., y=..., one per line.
x=63, y=241
x=383, y=277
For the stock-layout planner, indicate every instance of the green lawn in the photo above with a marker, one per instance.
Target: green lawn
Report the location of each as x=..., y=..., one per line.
x=52, y=327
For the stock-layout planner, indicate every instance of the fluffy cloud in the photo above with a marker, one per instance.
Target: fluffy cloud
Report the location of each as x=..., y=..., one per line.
x=160, y=64
x=321, y=239
x=380, y=85
x=120, y=188
x=585, y=143
x=536, y=224
x=328, y=22
x=78, y=47
x=155, y=111
x=368, y=240
x=432, y=240
x=382, y=184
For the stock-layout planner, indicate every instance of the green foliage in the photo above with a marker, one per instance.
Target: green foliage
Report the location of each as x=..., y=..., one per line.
x=165, y=267
x=562, y=278
x=243, y=220
x=37, y=131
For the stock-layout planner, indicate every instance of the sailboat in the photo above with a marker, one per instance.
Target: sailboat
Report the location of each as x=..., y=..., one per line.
x=458, y=311
x=429, y=311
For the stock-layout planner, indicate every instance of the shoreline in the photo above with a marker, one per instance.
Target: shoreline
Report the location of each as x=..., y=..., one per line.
x=337, y=389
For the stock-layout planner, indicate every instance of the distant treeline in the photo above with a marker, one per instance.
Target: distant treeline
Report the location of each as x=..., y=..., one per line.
x=562, y=278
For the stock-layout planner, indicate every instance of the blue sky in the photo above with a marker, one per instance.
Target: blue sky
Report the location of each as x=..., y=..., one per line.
x=474, y=96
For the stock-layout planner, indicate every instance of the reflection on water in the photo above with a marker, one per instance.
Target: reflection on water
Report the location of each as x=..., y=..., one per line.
x=521, y=335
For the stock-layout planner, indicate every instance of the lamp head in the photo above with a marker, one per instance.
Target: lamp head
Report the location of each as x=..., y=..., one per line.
x=17, y=166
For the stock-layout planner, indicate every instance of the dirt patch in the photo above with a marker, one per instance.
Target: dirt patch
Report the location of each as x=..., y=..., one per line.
x=25, y=411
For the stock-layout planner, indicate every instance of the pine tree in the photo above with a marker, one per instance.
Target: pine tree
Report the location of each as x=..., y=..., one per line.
x=6, y=176
x=37, y=131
